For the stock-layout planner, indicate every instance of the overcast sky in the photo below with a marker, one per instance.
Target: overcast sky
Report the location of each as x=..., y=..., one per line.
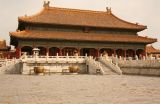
x=146, y=12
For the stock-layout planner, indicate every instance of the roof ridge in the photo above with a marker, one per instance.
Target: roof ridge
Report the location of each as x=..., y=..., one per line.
x=78, y=10
x=93, y=11
x=59, y=8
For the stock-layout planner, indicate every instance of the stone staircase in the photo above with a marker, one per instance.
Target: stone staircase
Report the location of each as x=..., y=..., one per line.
x=107, y=70
x=109, y=67
x=103, y=66
x=94, y=66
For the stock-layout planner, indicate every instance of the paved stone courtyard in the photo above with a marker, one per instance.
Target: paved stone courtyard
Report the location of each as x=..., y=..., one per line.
x=79, y=89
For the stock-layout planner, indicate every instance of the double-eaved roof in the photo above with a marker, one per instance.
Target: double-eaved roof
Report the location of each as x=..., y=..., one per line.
x=84, y=18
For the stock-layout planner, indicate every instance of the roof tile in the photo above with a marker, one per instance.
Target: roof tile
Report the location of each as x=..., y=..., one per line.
x=75, y=17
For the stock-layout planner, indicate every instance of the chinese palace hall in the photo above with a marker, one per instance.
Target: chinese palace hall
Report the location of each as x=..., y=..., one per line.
x=61, y=30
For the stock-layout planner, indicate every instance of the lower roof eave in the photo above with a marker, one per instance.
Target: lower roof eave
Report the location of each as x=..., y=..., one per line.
x=45, y=39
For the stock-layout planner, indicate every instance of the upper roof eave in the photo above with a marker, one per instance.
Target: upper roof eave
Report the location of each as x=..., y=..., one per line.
x=137, y=29
x=70, y=13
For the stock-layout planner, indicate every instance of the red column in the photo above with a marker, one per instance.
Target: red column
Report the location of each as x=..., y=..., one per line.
x=78, y=50
x=144, y=53
x=97, y=52
x=125, y=53
x=18, y=52
x=114, y=52
x=60, y=51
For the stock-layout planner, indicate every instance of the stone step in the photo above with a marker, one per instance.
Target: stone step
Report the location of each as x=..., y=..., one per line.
x=107, y=70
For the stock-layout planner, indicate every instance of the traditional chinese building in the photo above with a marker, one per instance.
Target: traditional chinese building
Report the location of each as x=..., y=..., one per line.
x=150, y=50
x=61, y=30
x=4, y=49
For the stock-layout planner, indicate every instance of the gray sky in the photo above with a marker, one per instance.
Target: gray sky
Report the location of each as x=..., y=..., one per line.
x=146, y=12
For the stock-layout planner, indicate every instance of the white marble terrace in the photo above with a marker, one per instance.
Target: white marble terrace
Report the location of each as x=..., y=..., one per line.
x=105, y=64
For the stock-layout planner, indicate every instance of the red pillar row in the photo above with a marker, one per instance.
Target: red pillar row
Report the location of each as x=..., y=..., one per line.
x=94, y=51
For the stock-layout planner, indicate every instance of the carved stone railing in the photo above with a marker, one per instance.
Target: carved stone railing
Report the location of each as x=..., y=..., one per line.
x=53, y=59
x=9, y=66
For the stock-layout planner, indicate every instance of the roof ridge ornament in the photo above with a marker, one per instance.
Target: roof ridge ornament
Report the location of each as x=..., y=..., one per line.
x=109, y=10
x=46, y=3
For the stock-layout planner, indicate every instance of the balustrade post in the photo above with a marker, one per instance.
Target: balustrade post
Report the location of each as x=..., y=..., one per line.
x=47, y=51
x=136, y=57
x=86, y=55
x=135, y=53
x=120, y=58
x=144, y=58
x=47, y=56
x=125, y=54
x=5, y=61
x=101, y=55
x=25, y=56
x=57, y=56
x=116, y=60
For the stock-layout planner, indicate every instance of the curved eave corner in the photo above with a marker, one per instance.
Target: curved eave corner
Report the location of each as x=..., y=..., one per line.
x=153, y=40
x=138, y=26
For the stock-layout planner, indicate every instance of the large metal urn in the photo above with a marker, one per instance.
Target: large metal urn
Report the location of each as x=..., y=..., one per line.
x=73, y=69
x=39, y=69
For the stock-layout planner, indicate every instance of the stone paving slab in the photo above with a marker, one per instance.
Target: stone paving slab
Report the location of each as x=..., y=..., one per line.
x=79, y=89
